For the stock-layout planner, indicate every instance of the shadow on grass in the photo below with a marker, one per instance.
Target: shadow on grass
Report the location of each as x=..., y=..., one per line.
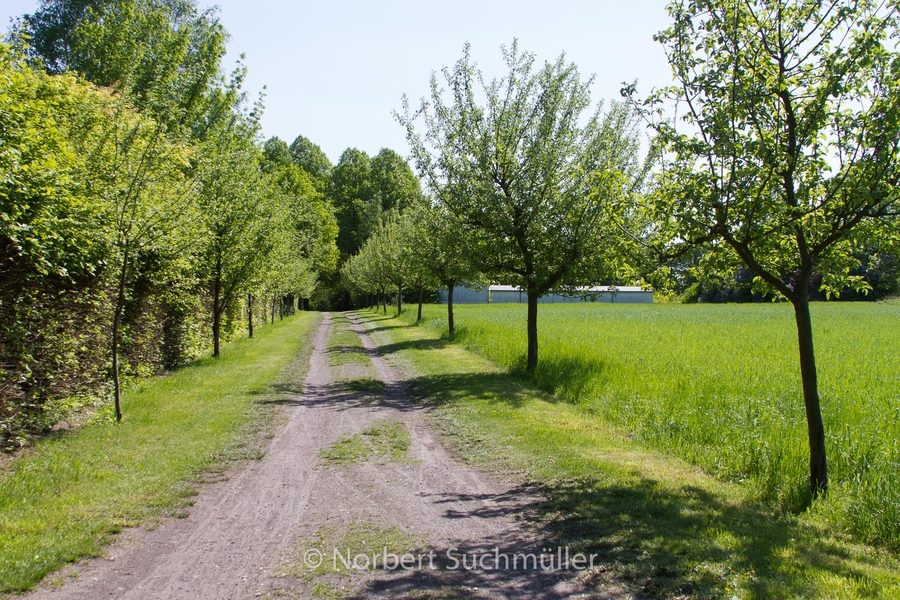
x=426, y=344
x=651, y=540
x=569, y=378
x=659, y=539
x=339, y=350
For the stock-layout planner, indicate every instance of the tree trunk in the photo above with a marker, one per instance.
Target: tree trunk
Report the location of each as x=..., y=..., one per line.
x=421, y=293
x=250, y=316
x=818, y=467
x=117, y=321
x=450, y=286
x=399, y=300
x=217, y=312
x=384, y=301
x=531, y=365
x=274, y=299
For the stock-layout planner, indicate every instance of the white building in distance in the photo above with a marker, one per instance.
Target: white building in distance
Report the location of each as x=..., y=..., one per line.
x=504, y=294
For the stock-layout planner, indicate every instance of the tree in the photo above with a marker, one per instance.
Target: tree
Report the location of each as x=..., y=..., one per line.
x=365, y=272
x=443, y=254
x=163, y=54
x=393, y=243
x=277, y=154
x=310, y=247
x=537, y=190
x=792, y=110
x=394, y=185
x=351, y=193
x=309, y=157
x=138, y=175
x=239, y=209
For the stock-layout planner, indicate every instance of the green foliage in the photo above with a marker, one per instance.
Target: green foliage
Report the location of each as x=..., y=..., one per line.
x=239, y=214
x=393, y=184
x=49, y=224
x=351, y=192
x=309, y=157
x=536, y=189
x=164, y=55
x=52, y=248
x=791, y=110
x=130, y=212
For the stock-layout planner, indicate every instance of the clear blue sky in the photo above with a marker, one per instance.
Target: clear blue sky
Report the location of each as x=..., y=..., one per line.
x=335, y=71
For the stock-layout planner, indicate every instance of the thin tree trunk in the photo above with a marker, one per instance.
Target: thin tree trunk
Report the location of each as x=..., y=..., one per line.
x=399, y=300
x=450, y=287
x=384, y=300
x=250, y=315
x=117, y=322
x=273, y=307
x=217, y=310
x=421, y=293
x=818, y=467
x=532, y=331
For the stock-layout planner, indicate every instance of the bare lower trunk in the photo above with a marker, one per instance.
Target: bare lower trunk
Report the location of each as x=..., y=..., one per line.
x=117, y=322
x=250, y=316
x=818, y=467
x=384, y=301
x=450, y=326
x=399, y=300
x=421, y=293
x=531, y=365
x=217, y=318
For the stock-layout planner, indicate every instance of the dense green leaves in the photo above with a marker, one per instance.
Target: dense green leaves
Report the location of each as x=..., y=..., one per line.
x=131, y=211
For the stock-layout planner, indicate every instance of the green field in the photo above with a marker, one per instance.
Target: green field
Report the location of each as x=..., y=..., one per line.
x=719, y=385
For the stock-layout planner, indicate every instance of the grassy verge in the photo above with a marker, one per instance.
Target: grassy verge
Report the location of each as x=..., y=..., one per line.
x=65, y=498
x=664, y=528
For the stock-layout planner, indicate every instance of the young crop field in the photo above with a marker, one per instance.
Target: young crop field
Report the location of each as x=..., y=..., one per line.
x=720, y=386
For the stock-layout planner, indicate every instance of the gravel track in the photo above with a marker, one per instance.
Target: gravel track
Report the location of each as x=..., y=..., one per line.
x=244, y=534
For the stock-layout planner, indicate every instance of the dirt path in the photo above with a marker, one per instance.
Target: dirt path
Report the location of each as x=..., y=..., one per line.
x=354, y=477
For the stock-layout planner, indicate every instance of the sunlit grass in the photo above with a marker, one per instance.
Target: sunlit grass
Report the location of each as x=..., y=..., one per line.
x=664, y=528
x=720, y=386
x=63, y=499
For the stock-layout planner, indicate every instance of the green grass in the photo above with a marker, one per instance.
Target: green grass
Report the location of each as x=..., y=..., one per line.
x=663, y=527
x=341, y=553
x=344, y=344
x=383, y=439
x=64, y=499
x=719, y=385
